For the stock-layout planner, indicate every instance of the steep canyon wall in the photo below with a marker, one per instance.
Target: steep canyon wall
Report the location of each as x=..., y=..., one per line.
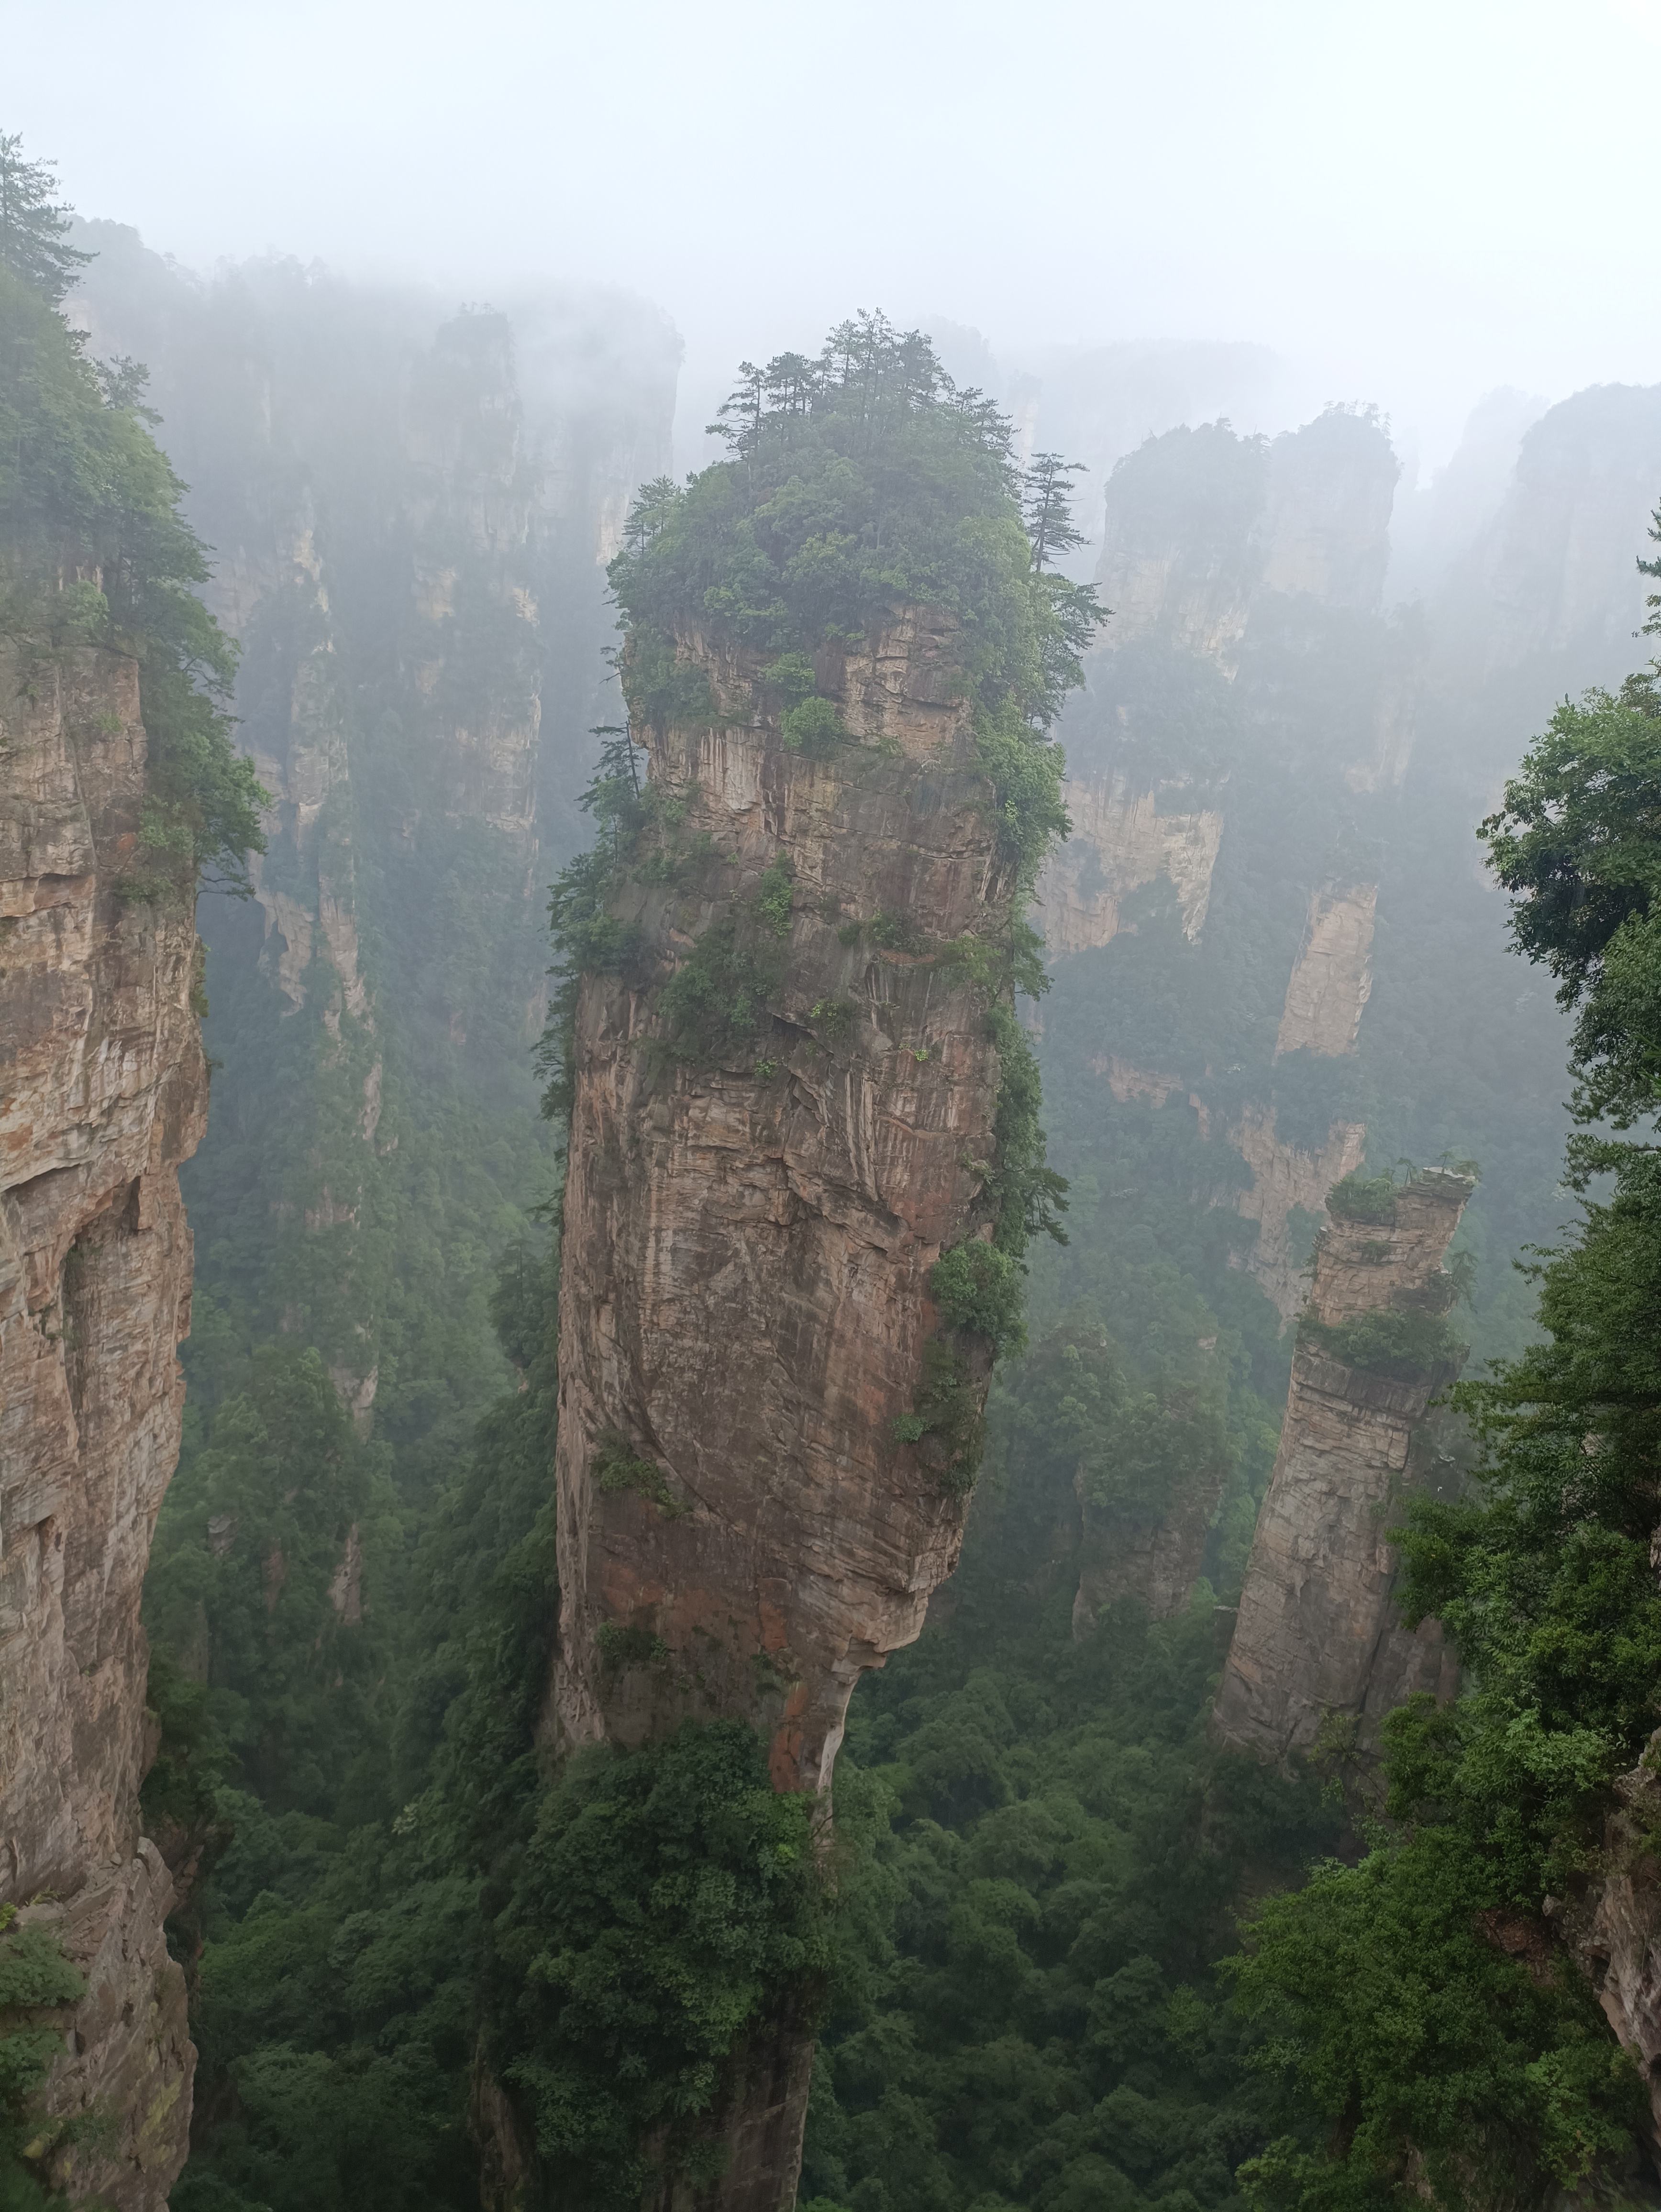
x=106, y=1093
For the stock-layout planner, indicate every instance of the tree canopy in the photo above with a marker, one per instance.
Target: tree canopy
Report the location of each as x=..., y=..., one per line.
x=859, y=481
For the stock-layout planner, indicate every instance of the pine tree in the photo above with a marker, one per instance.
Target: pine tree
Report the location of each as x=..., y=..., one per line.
x=1653, y=620
x=1047, y=507
x=33, y=225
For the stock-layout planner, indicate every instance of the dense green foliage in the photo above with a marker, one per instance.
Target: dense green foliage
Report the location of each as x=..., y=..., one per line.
x=666, y=1910
x=34, y=226
x=1392, y=2016
x=1041, y=1850
x=861, y=483
x=271, y=1528
x=1578, y=842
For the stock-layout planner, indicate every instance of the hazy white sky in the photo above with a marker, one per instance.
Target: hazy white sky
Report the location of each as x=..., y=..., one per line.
x=1413, y=202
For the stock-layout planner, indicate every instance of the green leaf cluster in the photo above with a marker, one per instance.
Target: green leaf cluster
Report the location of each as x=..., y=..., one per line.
x=1389, y=2010
x=36, y=1980
x=1402, y=1346
x=979, y=1287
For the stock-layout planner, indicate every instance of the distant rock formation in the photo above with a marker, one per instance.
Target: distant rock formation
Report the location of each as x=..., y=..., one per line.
x=1330, y=987
x=411, y=516
x=1317, y=1638
x=107, y=1092
x=1287, y=1180
x=1254, y=563
x=1554, y=572
x=1203, y=526
x=1120, y=841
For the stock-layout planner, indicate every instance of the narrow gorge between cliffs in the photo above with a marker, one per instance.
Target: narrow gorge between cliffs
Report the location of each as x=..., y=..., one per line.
x=826, y=1281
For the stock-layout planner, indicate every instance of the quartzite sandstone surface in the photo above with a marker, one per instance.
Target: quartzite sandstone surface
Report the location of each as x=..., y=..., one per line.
x=1316, y=1633
x=105, y=1092
x=748, y=1245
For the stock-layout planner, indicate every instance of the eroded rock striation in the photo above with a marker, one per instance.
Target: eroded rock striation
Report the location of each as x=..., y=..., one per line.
x=1317, y=1635
x=748, y=1240
x=1329, y=989
x=105, y=1092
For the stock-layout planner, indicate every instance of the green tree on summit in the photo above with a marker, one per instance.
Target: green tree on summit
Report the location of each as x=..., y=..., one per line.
x=858, y=482
x=94, y=550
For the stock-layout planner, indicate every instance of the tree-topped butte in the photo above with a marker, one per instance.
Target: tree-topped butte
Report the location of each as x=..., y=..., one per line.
x=857, y=483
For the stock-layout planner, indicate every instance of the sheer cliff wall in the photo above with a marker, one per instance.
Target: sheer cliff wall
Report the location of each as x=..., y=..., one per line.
x=1317, y=1634
x=747, y=1244
x=105, y=1094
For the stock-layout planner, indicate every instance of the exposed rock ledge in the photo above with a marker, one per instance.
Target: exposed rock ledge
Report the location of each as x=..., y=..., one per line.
x=106, y=1094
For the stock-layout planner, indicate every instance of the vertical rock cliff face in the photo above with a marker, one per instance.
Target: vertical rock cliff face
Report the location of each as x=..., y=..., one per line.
x=1288, y=1180
x=1191, y=551
x=747, y=1243
x=746, y=1247
x=1554, y=572
x=1317, y=1636
x=1329, y=989
x=106, y=1094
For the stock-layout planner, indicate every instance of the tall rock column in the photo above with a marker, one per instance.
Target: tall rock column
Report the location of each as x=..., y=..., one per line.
x=745, y=1319
x=1317, y=1634
x=105, y=1092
